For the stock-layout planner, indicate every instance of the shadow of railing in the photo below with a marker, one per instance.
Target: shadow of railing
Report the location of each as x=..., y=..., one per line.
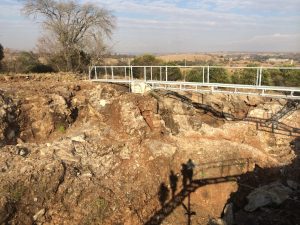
x=178, y=199
x=247, y=181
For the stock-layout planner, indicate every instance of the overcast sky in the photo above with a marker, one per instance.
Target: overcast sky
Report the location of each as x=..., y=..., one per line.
x=165, y=26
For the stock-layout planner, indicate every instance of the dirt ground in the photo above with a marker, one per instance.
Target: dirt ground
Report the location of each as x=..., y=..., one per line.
x=76, y=152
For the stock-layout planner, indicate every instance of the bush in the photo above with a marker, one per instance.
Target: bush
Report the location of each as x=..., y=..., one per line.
x=218, y=75
x=26, y=62
x=292, y=78
x=245, y=76
x=174, y=73
x=144, y=60
x=195, y=75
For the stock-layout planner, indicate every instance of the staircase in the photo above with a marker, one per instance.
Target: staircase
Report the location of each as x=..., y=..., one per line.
x=287, y=110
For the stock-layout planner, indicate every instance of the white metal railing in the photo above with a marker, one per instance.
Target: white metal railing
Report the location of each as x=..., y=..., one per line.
x=160, y=77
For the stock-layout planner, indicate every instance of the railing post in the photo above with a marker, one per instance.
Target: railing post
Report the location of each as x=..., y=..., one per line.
x=166, y=73
x=112, y=72
x=257, y=76
x=203, y=74
x=207, y=74
x=90, y=73
x=145, y=73
x=260, y=76
x=160, y=73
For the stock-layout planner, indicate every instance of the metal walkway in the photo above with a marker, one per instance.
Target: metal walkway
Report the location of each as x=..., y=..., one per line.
x=160, y=77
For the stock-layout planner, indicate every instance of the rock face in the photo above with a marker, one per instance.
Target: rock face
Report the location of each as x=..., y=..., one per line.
x=274, y=193
x=96, y=154
x=9, y=128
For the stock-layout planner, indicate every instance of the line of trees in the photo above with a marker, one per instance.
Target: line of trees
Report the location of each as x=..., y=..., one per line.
x=270, y=77
x=248, y=76
x=150, y=60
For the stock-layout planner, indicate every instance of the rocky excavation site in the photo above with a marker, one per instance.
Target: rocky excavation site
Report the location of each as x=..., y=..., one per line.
x=76, y=152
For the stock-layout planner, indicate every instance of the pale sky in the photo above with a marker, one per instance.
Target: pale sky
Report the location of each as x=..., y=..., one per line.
x=165, y=26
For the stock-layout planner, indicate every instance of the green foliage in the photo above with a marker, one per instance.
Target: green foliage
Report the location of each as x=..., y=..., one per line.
x=219, y=75
x=293, y=78
x=61, y=128
x=146, y=60
x=274, y=77
x=173, y=73
x=245, y=76
x=26, y=62
x=195, y=75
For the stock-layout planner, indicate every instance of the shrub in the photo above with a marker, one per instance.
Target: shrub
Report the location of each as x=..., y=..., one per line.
x=218, y=75
x=195, y=75
x=245, y=76
x=144, y=60
x=174, y=73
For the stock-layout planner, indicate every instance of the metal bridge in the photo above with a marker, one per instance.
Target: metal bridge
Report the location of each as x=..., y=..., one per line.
x=207, y=79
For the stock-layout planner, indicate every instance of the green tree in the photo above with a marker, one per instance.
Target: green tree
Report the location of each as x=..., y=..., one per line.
x=292, y=78
x=28, y=62
x=219, y=75
x=195, y=75
x=145, y=60
x=174, y=73
x=245, y=76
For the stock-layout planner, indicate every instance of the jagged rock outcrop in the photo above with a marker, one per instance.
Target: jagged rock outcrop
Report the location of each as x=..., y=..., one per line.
x=96, y=154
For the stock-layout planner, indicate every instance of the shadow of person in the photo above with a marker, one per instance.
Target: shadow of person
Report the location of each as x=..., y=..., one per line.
x=184, y=174
x=190, y=170
x=163, y=194
x=173, y=182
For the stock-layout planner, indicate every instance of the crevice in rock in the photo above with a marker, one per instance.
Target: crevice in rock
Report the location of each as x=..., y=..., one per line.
x=62, y=177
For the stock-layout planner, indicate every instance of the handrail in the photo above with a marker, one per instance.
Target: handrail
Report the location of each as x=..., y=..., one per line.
x=160, y=77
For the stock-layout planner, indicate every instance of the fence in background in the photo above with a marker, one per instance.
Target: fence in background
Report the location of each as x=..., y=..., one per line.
x=278, y=82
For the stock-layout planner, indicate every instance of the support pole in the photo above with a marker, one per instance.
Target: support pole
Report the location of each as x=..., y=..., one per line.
x=260, y=76
x=257, y=76
x=89, y=73
x=207, y=74
x=166, y=73
x=160, y=74
x=203, y=74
